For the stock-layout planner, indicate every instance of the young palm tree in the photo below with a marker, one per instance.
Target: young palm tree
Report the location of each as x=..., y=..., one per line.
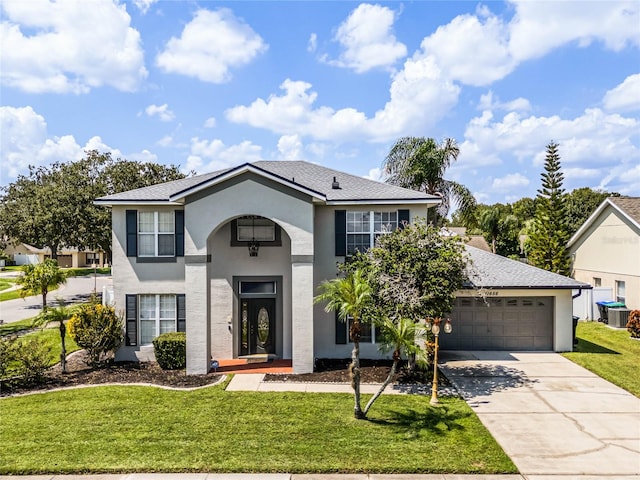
x=59, y=314
x=349, y=296
x=420, y=164
x=40, y=279
x=401, y=337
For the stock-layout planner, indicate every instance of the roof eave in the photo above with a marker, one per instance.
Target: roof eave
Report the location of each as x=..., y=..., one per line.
x=385, y=201
x=585, y=226
x=529, y=287
x=111, y=203
x=241, y=169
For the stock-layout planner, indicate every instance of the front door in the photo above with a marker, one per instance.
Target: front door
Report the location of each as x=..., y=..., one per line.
x=257, y=326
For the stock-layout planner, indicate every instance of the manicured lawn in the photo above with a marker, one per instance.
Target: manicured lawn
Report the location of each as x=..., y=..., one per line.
x=15, y=327
x=609, y=353
x=145, y=429
x=10, y=295
x=83, y=272
x=6, y=283
x=51, y=337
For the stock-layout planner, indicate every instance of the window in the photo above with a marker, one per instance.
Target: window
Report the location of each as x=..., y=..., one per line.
x=597, y=282
x=367, y=331
x=259, y=229
x=363, y=228
x=620, y=291
x=156, y=234
x=157, y=315
x=92, y=258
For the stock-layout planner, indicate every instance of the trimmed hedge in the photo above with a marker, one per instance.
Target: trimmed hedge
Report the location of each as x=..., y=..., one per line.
x=171, y=350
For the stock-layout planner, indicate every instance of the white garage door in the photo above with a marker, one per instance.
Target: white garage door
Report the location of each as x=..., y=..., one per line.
x=506, y=323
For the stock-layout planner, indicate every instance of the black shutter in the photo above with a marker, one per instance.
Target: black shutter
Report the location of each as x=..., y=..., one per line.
x=132, y=233
x=182, y=313
x=403, y=217
x=131, y=328
x=179, y=233
x=341, y=232
x=341, y=331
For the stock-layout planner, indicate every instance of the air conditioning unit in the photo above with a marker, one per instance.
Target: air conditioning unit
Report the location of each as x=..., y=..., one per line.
x=618, y=317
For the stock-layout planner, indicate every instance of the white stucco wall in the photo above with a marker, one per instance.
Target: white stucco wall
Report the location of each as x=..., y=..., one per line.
x=610, y=250
x=325, y=269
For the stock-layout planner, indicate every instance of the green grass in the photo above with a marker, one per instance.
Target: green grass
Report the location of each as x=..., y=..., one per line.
x=10, y=295
x=51, y=337
x=83, y=272
x=15, y=327
x=609, y=353
x=145, y=429
x=6, y=283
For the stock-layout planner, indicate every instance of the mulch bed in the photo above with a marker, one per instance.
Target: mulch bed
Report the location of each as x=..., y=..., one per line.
x=79, y=374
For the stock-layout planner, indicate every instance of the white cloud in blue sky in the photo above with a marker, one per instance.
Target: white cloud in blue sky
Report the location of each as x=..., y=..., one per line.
x=208, y=85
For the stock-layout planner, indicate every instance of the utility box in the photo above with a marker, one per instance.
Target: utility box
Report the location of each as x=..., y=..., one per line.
x=618, y=317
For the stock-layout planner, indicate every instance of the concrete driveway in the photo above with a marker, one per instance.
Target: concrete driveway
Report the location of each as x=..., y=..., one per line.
x=76, y=290
x=551, y=416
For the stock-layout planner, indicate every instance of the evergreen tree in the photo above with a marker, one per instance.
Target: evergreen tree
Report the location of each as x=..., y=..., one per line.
x=548, y=241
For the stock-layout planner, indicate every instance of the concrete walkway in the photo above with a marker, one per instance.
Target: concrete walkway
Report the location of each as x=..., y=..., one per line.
x=551, y=416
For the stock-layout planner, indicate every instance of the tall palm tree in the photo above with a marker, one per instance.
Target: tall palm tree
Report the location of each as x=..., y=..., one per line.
x=349, y=297
x=420, y=164
x=402, y=337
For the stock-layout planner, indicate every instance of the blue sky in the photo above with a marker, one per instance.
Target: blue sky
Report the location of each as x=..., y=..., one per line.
x=206, y=85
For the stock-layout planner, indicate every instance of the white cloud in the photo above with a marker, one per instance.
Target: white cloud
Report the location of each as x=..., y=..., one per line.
x=624, y=97
x=144, y=5
x=210, y=45
x=313, y=43
x=69, y=47
x=509, y=182
x=539, y=27
x=488, y=102
x=165, y=141
x=210, y=122
x=161, y=111
x=419, y=97
x=211, y=155
x=290, y=147
x=367, y=39
x=375, y=174
x=143, y=156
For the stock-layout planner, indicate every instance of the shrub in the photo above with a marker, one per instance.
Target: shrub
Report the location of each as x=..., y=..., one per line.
x=633, y=325
x=32, y=356
x=171, y=350
x=7, y=355
x=97, y=329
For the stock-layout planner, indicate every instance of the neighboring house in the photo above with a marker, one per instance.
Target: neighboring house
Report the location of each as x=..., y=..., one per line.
x=23, y=254
x=477, y=241
x=234, y=258
x=605, y=250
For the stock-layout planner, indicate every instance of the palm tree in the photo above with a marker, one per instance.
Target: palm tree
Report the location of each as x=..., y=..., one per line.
x=420, y=164
x=40, y=278
x=489, y=223
x=400, y=336
x=59, y=314
x=349, y=297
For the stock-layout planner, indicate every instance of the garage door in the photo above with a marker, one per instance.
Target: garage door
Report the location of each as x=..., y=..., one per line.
x=65, y=261
x=507, y=323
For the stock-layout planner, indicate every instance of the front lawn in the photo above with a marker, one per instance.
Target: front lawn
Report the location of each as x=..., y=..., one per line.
x=610, y=353
x=145, y=429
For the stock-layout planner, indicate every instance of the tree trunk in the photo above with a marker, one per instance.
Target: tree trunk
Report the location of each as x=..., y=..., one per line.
x=355, y=380
x=44, y=299
x=63, y=352
x=392, y=372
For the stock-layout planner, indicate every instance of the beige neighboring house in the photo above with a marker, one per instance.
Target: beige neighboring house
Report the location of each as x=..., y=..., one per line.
x=606, y=249
x=24, y=254
x=234, y=258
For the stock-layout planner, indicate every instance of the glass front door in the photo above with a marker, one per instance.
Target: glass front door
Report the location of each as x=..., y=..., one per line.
x=257, y=326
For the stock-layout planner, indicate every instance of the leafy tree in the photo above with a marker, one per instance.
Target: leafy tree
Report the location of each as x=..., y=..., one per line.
x=580, y=204
x=420, y=163
x=548, y=241
x=524, y=209
x=349, y=296
x=500, y=229
x=41, y=278
x=59, y=314
x=53, y=206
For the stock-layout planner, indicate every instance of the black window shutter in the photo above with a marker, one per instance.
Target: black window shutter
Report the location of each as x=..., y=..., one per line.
x=341, y=232
x=341, y=331
x=403, y=217
x=131, y=328
x=182, y=312
x=179, y=233
x=132, y=233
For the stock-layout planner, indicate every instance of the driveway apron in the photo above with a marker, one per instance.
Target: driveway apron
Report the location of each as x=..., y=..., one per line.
x=551, y=416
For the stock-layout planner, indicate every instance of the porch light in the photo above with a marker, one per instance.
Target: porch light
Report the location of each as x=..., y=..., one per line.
x=253, y=248
x=433, y=324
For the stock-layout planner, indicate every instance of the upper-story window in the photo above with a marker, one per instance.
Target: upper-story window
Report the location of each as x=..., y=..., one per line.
x=364, y=227
x=253, y=228
x=156, y=234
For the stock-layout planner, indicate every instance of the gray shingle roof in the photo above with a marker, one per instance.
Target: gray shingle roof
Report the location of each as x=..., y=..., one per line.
x=629, y=205
x=294, y=173
x=488, y=270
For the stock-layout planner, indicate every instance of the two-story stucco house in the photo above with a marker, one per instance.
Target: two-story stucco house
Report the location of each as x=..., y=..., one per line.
x=234, y=258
